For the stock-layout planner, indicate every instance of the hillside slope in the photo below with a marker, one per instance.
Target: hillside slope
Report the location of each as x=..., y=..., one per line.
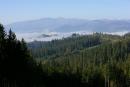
x=97, y=60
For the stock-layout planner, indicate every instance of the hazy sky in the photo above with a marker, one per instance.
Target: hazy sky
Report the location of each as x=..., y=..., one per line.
x=20, y=10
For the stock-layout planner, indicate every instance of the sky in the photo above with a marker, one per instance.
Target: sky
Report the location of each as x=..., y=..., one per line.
x=22, y=10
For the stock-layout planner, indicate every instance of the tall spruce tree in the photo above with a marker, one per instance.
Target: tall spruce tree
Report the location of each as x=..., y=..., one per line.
x=17, y=68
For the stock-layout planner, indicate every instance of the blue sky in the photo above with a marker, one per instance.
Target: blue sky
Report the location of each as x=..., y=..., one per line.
x=21, y=10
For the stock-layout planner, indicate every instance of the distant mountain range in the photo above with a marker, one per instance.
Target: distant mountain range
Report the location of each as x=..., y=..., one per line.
x=47, y=28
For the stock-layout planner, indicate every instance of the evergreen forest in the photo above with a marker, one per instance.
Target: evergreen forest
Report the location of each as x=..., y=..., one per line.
x=93, y=60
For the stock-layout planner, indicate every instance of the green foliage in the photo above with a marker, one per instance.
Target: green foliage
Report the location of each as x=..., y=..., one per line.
x=98, y=60
x=17, y=67
x=57, y=48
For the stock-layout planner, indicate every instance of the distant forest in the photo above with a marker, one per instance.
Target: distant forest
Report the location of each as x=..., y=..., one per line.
x=96, y=60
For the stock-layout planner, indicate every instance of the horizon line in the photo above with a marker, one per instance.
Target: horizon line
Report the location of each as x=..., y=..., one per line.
x=72, y=18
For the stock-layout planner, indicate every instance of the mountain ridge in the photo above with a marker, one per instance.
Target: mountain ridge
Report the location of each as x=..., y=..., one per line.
x=66, y=25
x=56, y=24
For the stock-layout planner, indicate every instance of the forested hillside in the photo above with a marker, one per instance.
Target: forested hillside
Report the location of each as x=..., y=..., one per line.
x=97, y=60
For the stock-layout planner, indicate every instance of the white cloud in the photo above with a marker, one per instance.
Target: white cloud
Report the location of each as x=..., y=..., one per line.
x=117, y=33
x=56, y=35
